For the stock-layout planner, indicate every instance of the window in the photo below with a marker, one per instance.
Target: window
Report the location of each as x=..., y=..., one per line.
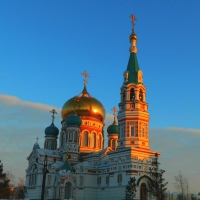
x=132, y=94
x=142, y=132
x=67, y=136
x=81, y=180
x=107, y=180
x=123, y=95
x=113, y=144
x=75, y=137
x=132, y=130
x=85, y=143
x=53, y=145
x=99, y=142
x=94, y=139
x=70, y=136
x=141, y=95
x=62, y=140
x=81, y=169
x=122, y=132
x=49, y=180
x=49, y=144
x=33, y=175
x=119, y=178
x=99, y=180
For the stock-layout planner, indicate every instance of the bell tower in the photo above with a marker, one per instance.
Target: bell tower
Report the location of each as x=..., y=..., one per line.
x=133, y=116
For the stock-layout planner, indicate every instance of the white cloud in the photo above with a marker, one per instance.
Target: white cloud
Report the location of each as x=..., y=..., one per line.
x=22, y=122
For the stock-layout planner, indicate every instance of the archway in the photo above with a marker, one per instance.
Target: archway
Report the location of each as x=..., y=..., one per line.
x=68, y=190
x=143, y=195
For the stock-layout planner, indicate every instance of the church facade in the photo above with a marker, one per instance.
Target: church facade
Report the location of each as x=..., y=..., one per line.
x=79, y=167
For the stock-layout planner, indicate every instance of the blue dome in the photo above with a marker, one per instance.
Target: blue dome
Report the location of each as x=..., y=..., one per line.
x=73, y=120
x=51, y=130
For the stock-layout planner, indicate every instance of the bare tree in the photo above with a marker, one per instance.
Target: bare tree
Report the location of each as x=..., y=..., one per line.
x=181, y=185
x=20, y=190
x=11, y=177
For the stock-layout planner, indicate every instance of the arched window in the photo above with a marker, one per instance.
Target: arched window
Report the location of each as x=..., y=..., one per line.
x=75, y=137
x=85, y=142
x=67, y=136
x=107, y=180
x=119, y=178
x=142, y=132
x=93, y=140
x=132, y=131
x=123, y=96
x=143, y=195
x=94, y=137
x=81, y=169
x=68, y=190
x=99, y=142
x=52, y=145
x=141, y=95
x=81, y=180
x=33, y=175
x=62, y=140
x=49, y=144
x=99, y=180
x=70, y=136
x=49, y=180
x=113, y=144
x=132, y=94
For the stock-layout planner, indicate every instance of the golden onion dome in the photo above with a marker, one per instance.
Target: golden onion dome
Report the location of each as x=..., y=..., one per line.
x=84, y=105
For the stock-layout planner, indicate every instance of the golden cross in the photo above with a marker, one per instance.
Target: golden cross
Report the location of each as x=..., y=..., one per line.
x=133, y=19
x=114, y=111
x=86, y=75
x=54, y=112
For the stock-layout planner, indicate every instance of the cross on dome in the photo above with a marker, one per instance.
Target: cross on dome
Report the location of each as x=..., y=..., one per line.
x=86, y=75
x=53, y=112
x=37, y=140
x=114, y=111
x=133, y=19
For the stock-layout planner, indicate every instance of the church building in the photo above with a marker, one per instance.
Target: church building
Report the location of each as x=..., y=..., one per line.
x=74, y=162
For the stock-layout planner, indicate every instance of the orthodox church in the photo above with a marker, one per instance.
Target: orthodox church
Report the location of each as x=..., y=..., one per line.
x=78, y=167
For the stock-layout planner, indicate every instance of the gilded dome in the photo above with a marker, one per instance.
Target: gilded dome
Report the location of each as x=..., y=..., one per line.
x=84, y=105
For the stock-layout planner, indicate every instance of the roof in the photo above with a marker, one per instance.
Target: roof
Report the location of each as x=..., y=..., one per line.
x=66, y=166
x=133, y=69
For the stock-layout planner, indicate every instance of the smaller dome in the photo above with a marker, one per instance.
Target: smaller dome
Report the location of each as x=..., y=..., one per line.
x=73, y=120
x=113, y=129
x=51, y=130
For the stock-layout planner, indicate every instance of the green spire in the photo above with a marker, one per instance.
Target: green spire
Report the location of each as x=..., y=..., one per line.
x=132, y=69
x=132, y=74
x=66, y=166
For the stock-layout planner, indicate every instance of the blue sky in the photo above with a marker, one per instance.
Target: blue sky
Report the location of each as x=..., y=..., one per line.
x=46, y=45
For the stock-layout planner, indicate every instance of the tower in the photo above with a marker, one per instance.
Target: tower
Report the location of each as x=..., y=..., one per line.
x=133, y=116
x=51, y=134
x=72, y=135
x=113, y=132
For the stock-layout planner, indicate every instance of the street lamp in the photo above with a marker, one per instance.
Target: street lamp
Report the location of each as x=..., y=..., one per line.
x=45, y=171
x=11, y=192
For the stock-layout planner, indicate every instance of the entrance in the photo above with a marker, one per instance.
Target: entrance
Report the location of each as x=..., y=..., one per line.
x=143, y=195
x=68, y=190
